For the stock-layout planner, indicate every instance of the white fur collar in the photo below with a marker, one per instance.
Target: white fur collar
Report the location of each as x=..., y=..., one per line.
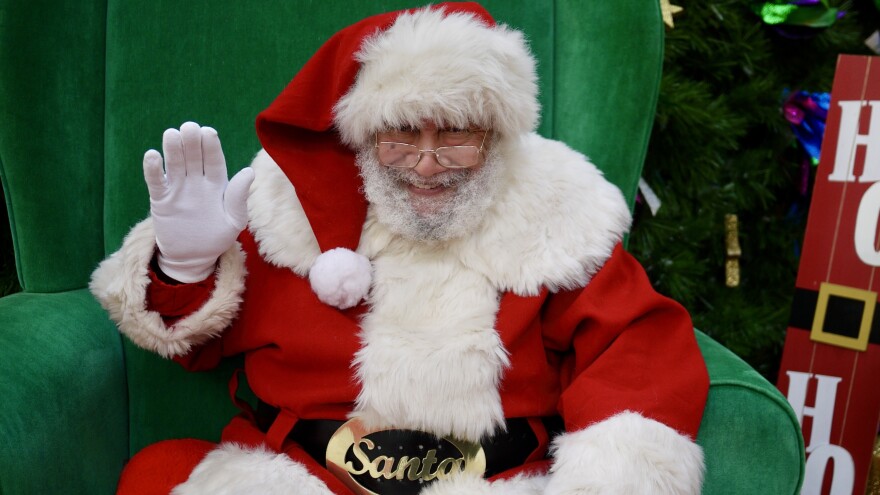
x=553, y=226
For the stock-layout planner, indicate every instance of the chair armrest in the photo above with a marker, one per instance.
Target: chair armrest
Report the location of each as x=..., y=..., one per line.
x=750, y=436
x=63, y=405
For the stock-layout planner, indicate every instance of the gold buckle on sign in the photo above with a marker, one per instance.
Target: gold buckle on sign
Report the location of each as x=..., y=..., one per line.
x=818, y=333
x=397, y=461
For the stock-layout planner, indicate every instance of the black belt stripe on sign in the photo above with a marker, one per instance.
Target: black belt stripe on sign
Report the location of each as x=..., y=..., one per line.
x=843, y=316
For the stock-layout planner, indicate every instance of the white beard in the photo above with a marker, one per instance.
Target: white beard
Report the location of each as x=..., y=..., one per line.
x=427, y=219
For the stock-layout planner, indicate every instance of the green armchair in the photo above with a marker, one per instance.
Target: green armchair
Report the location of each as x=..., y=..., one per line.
x=87, y=86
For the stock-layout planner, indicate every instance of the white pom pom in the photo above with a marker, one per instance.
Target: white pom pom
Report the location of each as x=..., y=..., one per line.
x=340, y=277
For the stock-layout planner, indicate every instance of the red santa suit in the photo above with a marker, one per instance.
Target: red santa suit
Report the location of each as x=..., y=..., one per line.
x=537, y=312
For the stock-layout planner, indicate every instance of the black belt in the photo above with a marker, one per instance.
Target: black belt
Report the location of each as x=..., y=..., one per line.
x=505, y=450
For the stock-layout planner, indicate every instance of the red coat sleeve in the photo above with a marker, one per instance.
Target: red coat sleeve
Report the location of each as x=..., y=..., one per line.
x=627, y=348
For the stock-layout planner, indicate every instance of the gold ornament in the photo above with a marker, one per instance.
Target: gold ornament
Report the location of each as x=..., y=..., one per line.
x=731, y=240
x=668, y=10
x=874, y=476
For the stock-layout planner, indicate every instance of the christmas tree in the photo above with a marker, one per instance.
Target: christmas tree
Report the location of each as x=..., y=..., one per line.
x=721, y=145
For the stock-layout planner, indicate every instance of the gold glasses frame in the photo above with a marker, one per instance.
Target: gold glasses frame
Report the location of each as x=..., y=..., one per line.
x=438, y=152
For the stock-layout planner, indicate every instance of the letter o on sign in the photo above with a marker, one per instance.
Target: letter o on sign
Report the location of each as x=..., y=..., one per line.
x=842, y=480
x=866, y=226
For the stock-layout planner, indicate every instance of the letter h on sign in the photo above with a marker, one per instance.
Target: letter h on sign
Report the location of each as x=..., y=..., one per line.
x=849, y=140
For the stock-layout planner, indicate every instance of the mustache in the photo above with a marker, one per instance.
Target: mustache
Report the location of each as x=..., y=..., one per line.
x=449, y=178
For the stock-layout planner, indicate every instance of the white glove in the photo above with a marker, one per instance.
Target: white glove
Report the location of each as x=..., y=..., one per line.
x=197, y=213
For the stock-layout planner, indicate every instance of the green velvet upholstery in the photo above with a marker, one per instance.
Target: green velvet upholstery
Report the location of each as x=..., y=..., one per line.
x=748, y=428
x=87, y=87
x=64, y=420
x=52, y=142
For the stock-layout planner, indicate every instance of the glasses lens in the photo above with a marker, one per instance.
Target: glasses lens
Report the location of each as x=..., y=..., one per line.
x=397, y=155
x=458, y=156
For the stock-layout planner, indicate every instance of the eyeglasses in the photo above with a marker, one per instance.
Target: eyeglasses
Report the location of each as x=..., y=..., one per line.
x=402, y=155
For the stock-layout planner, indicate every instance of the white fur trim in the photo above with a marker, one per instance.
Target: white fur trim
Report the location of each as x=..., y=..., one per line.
x=277, y=219
x=120, y=285
x=234, y=470
x=432, y=367
x=411, y=72
x=470, y=485
x=341, y=278
x=554, y=224
x=581, y=216
x=626, y=454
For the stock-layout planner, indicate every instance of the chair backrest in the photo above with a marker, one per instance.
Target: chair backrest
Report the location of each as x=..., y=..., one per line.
x=87, y=88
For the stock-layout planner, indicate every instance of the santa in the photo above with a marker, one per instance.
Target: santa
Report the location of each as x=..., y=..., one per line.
x=429, y=296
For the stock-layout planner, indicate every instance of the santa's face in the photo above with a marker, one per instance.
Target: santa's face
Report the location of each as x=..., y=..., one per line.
x=430, y=202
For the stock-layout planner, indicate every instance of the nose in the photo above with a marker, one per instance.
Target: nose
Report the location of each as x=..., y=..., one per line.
x=428, y=164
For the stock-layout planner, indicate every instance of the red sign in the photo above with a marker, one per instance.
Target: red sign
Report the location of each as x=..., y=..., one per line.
x=830, y=368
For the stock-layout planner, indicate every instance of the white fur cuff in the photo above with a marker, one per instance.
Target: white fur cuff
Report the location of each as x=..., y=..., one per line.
x=626, y=454
x=120, y=285
x=234, y=470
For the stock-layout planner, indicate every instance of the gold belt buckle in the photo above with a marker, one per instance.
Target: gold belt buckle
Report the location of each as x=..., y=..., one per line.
x=397, y=461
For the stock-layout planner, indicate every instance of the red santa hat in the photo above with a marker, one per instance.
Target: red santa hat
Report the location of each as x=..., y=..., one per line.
x=448, y=63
